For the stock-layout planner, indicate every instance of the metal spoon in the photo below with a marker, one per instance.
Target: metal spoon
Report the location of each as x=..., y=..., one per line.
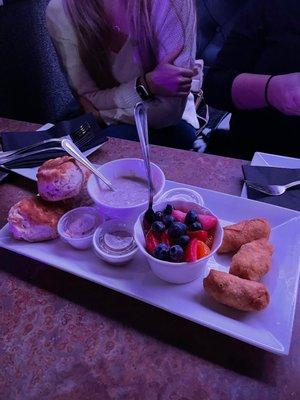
x=140, y=116
x=74, y=151
x=272, y=190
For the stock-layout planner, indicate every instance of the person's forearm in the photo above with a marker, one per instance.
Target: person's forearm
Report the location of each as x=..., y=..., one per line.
x=248, y=91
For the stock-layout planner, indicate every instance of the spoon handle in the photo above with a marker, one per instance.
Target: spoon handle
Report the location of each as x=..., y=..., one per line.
x=289, y=185
x=73, y=150
x=141, y=121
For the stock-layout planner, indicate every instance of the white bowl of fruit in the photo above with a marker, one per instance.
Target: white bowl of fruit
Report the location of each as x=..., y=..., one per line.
x=178, y=239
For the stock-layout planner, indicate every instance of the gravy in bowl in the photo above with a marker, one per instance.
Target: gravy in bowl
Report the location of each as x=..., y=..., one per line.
x=129, y=191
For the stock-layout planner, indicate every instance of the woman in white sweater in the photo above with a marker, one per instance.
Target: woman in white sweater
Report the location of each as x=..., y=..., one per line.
x=117, y=53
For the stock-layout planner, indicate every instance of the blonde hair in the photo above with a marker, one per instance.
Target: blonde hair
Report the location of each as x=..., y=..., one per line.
x=94, y=31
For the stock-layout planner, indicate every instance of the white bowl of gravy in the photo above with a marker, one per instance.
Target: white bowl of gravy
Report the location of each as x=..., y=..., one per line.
x=130, y=197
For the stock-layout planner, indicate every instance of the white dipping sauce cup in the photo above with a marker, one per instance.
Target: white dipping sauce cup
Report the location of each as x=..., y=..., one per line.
x=79, y=242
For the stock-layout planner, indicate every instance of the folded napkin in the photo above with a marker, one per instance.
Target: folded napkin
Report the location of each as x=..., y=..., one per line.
x=274, y=176
x=3, y=174
x=17, y=140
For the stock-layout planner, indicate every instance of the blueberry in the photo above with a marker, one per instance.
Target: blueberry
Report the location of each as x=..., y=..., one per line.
x=183, y=240
x=168, y=220
x=158, y=216
x=196, y=226
x=168, y=209
x=149, y=215
x=162, y=251
x=158, y=226
x=191, y=217
x=177, y=229
x=176, y=253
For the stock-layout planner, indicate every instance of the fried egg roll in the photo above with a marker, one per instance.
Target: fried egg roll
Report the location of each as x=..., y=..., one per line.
x=243, y=232
x=236, y=292
x=253, y=260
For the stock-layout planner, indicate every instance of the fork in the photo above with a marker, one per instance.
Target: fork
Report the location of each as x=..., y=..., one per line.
x=80, y=137
x=273, y=190
x=30, y=153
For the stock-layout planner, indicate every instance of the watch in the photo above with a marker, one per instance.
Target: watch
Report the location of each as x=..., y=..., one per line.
x=142, y=90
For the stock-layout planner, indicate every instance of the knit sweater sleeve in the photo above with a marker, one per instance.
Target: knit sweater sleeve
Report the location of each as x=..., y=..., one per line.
x=173, y=29
x=174, y=25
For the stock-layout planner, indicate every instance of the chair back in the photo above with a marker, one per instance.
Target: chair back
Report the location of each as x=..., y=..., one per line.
x=32, y=85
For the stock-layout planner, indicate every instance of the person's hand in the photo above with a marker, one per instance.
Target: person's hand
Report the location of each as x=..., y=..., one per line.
x=284, y=93
x=88, y=107
x=168, y=80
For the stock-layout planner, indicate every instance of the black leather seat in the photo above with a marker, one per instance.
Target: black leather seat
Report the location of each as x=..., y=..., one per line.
x=32, y=86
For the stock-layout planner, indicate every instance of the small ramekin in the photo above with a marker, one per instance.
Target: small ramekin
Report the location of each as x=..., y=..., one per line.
x=114, y=255
x=83, y=242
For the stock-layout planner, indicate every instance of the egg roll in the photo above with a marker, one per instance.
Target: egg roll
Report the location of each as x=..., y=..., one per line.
x=253, y=260
x=243, y=232
x=236, y=292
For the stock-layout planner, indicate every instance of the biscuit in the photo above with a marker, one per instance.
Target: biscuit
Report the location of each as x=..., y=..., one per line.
x=62, y=178
x=34, y=220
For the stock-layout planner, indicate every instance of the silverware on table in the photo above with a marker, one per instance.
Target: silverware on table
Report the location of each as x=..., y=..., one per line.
x=30, y=153
x=141, y=121
x=272, y=190
x=73, y=150
x=80, y=136
x=3, y=174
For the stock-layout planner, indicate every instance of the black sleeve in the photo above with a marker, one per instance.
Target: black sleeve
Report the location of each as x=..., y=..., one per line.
x=238, y=55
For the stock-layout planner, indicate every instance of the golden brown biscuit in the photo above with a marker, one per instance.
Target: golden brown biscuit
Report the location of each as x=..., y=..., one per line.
x=62, y=178
x=35, y=220
x=236, y=292
x=243, y=232
x=253, y=260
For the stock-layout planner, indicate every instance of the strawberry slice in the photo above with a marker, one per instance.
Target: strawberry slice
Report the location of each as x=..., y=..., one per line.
x=199, y=235
x=178, y=215
x=202, y=249
x=152, y=240
x=155, y=238
x=208, y=221
x=210, y=240
x=191, y=249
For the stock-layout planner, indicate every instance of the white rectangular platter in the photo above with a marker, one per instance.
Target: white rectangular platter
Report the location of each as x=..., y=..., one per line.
x=271, y=160
x=270, y=329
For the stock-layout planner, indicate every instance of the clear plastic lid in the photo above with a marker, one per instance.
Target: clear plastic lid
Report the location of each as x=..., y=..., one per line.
x=115, y=239
x=182, y=194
